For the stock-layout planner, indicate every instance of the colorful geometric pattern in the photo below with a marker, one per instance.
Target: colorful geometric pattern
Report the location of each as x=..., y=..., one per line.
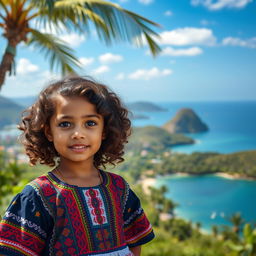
x=96, y=206
x=50, y=217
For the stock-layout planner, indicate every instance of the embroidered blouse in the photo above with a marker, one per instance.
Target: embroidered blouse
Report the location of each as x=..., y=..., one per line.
x=50, y=217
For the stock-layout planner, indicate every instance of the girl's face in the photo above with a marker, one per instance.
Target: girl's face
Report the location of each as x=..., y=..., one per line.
x=76, y=130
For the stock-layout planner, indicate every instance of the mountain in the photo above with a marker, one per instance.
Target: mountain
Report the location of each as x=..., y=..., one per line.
x=24, y=101
x=155, y=138
x=10, y=112
x=185, y=121
x=144, y=106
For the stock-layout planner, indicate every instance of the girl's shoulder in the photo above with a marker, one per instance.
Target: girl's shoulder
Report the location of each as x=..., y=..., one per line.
x=29, y=190
x=116, y=179
x=37, y=187
x=39, y=182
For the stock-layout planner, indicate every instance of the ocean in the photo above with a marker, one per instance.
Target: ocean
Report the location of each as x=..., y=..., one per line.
x=210, y=199
x=232, y=125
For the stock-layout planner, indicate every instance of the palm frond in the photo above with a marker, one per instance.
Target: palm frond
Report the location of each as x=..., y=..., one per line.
x=49, y=4
x=56, y=50
x=3, y=4
x=112, y=23
x=2, y=17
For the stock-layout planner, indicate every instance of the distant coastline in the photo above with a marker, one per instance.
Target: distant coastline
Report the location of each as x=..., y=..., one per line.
x=234, y=176
x=151, y=181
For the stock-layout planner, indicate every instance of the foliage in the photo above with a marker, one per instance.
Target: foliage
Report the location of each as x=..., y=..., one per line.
x=237, y=221
x=155, y=139
x=10, y=173
x=24, y=21
x=13, y=178
x=241, y=163
x=247, y=245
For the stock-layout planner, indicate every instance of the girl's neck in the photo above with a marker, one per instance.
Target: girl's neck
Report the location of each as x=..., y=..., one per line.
x=77, y=169
x=80, y=175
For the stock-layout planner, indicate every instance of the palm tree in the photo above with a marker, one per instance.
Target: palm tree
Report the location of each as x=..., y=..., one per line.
x=247, y=245
x=215, y=230
x=237, y=221
x=21, y=20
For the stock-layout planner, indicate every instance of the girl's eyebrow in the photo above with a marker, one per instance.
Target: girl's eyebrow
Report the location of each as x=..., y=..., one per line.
x=85, y=116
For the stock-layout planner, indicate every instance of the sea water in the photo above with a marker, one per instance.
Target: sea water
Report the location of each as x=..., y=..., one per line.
x=232, y=125
x=209, y=199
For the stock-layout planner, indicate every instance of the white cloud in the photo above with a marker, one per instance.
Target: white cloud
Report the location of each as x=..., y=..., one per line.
x=25, y=67
x=192, y=51
x=168, y=13
x=234, y=41
x=74, y=40
x=220, y=4
x=187, y=36
x=146, y=74
x=110, y=58
x=101, y=69
x=120, y=76
x=86, y=61
x=146, y=2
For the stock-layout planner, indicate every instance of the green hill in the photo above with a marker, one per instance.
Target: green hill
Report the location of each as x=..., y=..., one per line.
x=155, y=138
x=10, y=112
x=185, y=121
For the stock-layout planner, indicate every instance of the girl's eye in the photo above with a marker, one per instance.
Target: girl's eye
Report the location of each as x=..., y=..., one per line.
x=90, y=123
x=64, y=124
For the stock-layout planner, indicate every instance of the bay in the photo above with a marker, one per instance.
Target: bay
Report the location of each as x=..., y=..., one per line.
x=210, y=199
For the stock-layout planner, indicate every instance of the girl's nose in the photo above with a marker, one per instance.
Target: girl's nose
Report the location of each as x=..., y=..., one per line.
x=78, y=134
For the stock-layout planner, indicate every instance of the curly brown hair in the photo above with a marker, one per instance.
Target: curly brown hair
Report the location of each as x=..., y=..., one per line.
x=117, y=126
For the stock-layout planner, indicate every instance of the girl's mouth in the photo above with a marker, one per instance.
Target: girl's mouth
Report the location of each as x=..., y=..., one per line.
x=78, y=147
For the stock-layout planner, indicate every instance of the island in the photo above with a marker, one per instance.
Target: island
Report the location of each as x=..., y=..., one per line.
x=185, y=121
x=138, y=116
x=153, y=138
x=144, y=106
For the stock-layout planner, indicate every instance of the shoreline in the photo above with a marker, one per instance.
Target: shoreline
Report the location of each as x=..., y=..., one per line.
x=224, y=175
x=233, y=176
x=146, y=183
x=151, y=181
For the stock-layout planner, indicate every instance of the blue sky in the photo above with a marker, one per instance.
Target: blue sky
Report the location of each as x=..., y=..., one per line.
x=208, y=54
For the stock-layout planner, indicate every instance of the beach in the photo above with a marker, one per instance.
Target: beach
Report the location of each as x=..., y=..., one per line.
x=146, y=183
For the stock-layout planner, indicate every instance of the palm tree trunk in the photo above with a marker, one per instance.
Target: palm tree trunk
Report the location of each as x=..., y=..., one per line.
x=7, y=61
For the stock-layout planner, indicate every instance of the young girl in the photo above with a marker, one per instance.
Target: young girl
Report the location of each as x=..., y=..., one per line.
x=76, y=126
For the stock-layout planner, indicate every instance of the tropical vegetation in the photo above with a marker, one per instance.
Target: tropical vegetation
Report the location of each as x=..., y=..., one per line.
x=174, y=236
x=25, y=20
x=240, y=164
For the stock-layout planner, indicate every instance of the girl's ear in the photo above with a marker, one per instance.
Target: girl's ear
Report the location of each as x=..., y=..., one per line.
x=48, y=133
